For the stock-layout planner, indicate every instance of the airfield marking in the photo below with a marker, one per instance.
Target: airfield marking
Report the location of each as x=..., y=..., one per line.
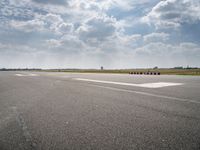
x=159, y=84
x=148, y=94
x=33, y=74
x=145, y=85
x=20, y=75
x=26, y=75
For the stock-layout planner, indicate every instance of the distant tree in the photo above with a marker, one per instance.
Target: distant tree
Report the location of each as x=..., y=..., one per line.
x=180, y=67
x=156, y=67
x=3, y=69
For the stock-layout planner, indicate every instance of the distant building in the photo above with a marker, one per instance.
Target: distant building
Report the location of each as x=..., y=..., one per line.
x=101, y=67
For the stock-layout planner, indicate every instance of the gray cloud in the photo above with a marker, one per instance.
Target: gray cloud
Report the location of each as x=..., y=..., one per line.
x=56, y=2
x=11, y=11
x=98, y=28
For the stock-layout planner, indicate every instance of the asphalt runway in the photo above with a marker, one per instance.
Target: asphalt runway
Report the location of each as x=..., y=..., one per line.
x=61, y=111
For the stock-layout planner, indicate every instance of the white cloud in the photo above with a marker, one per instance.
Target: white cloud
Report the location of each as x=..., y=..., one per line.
x=65, y=27
x=51, y=22
x=28, y=26
x=173, y=13
x=124, y=5
x=98, y=27
x=53, y=43
x=156, y=37
x=162, y=55
x=182, y=49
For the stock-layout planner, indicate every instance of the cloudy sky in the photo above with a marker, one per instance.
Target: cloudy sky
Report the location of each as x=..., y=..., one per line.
x=94, y=33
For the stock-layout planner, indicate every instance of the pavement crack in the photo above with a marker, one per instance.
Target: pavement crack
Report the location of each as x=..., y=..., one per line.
x=20, y=120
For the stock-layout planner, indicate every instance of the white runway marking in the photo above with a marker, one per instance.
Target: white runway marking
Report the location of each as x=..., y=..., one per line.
x=146, y=85
x=20, y=75
x=149, y=94
x=33, y=74
x=26, y=75
x=159, y=84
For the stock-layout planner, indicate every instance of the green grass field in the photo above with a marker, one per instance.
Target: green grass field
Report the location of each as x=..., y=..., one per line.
x=195, y=72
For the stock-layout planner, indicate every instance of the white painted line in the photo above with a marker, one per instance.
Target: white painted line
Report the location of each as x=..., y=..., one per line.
x=20, y=75
x=159, y=84
x=33, y=74
x=148, y=94
x=146, y=85
x=26, y=75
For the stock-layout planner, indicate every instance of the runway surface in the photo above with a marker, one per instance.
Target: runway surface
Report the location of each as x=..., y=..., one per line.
x=48, y=111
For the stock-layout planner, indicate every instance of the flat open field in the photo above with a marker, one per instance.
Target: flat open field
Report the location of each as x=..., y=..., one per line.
x=127, y=71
